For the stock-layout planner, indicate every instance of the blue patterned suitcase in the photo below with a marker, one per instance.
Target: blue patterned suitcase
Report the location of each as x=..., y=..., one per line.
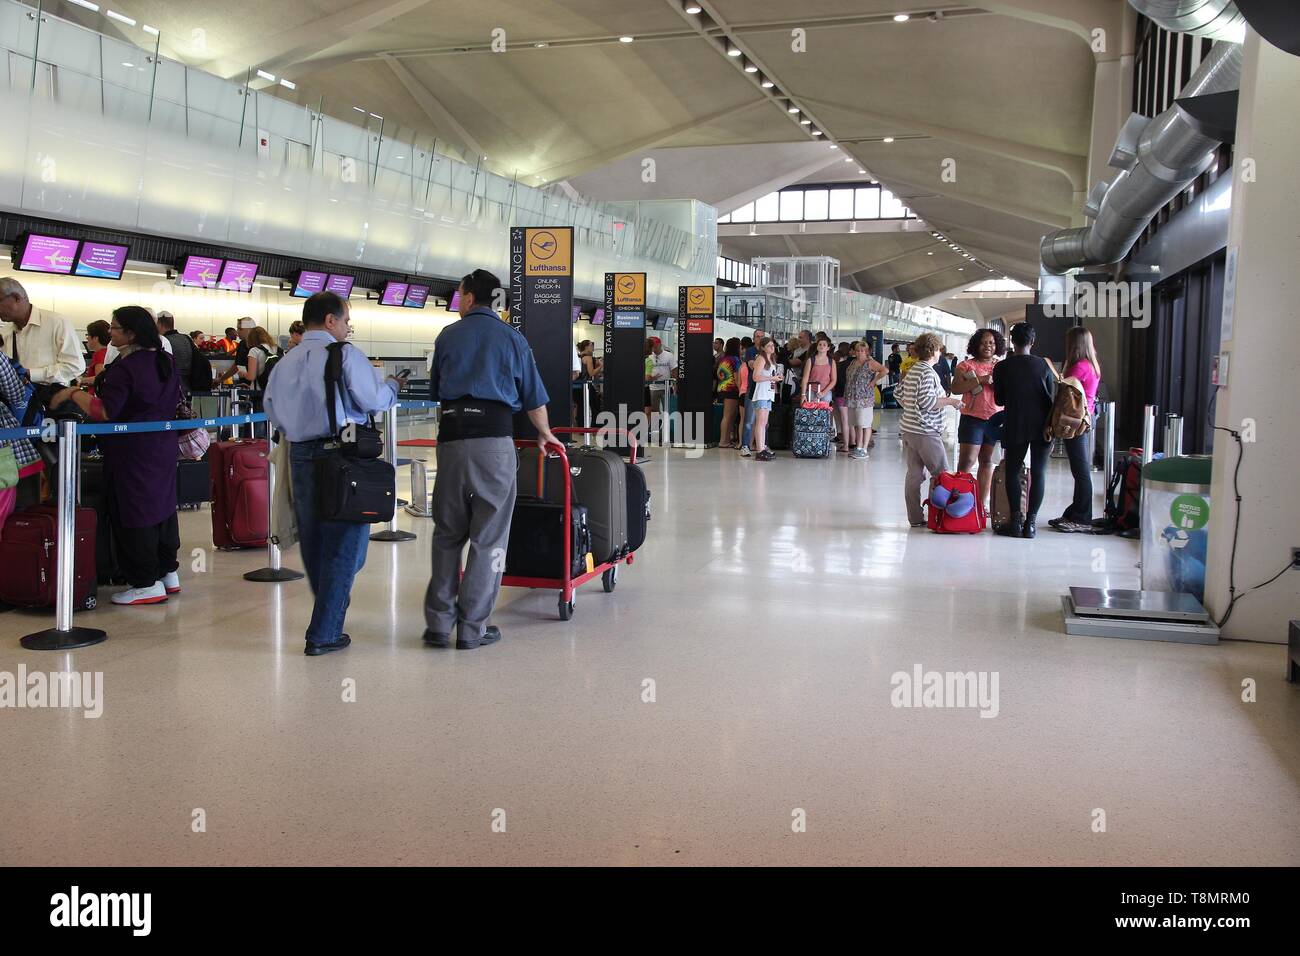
x=812, y=433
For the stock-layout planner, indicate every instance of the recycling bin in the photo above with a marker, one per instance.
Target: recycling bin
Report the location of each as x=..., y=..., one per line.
x=1175, y=514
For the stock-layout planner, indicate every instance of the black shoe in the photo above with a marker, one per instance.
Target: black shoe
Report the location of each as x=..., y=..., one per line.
x=316, y=650
x=1057, y=522
x=434, y=639
x=491, y=635
x=1012, y=529
x=1030, y=527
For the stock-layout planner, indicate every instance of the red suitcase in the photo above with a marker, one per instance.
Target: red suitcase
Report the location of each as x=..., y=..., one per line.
x=29, y=558
x=238, y=473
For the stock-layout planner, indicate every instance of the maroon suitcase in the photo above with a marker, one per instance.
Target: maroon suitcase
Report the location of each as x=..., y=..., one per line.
x=238, y=473
x=29, y=558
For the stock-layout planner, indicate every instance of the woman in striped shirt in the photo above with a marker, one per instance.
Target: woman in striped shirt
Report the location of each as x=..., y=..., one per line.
x=923, y=401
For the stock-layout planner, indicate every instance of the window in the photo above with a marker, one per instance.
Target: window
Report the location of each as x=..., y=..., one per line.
x=868, y=202
x=842, y=204
x=815, y=203
x=766, y=209
x=792, y=205
x=744, y=214
x=890, y=206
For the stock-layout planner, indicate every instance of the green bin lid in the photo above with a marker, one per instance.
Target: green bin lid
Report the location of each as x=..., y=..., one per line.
x=1184, y=470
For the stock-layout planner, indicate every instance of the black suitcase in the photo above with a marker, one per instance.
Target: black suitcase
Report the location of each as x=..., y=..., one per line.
x=193, y=484
x=780, y=427
x=638, y=507
x=94, y=492
x=536, y=546
x=599, y=481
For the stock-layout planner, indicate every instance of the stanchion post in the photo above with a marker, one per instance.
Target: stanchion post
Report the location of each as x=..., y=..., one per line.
x=273, y=572
x=1149, y=413
x=63, y=636
x=390, y=532
x=1108, y=436
x=1173, y=435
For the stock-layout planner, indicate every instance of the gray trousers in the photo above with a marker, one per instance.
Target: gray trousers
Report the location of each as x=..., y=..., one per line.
x=921, y=453
x=473, y=498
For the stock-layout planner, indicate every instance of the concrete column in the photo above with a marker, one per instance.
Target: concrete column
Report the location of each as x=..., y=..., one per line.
x=1262, y=382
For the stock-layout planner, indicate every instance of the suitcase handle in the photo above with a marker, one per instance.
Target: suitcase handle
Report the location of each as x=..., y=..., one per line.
x=618, y=433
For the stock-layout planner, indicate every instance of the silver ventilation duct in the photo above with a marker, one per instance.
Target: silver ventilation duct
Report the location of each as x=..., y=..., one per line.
x=1156, y=159
x=1217, y=19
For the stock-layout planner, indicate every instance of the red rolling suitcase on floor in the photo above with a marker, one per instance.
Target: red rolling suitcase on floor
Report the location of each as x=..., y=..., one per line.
x=238, y=473
x=29, y=551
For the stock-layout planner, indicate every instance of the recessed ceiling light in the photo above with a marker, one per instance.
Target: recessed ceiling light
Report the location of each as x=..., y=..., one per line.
x=793, y=109
x=862, y=172
x=848, y=159
x=805, y=122
x=129, y=66
x=358, y=109
x=750, y=68
x=817, y=132
x=929, y=253
x=541, y=46
x=961, y=268
x=87, y=4
x=733, y=51
x=626, y=39
x=266, y=76
x=693, y=8
x=114, y=15
x=834, y=146
x=288, y=84
x=767, y=84
x=152, y=31
x=901, y=17
x=888, y=139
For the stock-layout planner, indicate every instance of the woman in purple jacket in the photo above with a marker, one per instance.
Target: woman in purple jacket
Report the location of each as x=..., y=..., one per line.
x=141, y=385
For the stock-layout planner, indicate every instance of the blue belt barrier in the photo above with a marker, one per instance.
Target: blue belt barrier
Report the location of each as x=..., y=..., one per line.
x=128, y=428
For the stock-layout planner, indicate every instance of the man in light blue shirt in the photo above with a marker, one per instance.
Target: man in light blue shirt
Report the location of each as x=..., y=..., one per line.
x=332, y=551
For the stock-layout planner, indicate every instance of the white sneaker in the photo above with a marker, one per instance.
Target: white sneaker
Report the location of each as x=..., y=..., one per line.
x=172, y=582
x=744, y=451
x=154, y=594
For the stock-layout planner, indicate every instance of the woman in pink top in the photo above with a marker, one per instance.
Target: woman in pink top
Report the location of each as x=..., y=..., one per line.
x=819, y=373
x=1081, y=363
x=980, y=427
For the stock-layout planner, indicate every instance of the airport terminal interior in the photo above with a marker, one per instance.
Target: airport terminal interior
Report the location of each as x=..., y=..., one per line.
x=790, y=668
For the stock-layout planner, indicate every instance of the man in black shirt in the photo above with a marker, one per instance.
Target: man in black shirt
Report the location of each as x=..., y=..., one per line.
x=1025, y=385
x=182, y=347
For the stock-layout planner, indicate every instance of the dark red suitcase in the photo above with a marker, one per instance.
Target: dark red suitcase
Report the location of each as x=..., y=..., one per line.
x=29, y=550
x=238, y=473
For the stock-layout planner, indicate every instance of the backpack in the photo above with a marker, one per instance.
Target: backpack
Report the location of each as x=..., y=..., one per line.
x=955, y=505
x=1124, y=496
x=200, y=372
x=1069, y=417
x=264, y=375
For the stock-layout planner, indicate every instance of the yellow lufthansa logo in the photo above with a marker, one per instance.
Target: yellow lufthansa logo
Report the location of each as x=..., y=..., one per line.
x=627, y=285
x=699, y=300
x=549, y=252
x=629, y=288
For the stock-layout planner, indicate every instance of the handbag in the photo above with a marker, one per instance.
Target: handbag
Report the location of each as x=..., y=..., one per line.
x=351, y=484
x=8, y=468
x=193, y=443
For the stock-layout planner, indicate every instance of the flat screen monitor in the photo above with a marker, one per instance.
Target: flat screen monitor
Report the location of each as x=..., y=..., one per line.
x=453, y=304
x=201, y=271
x=48, y=254
x=598, y=318
x=237, y=276
x=341, y=286
x=577, y=313
x=416, y=296
x=308, y=283
x=101, y=260
x=394, y=293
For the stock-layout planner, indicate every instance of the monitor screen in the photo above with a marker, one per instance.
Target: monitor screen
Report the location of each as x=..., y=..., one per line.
x=341, y=286
x=201, y=271
x=308, y=284
x=598, y=318
x=577, y=313
x=101, y=260
x=238, y=276
x=48, y=254
x=453, y=304
x=416, y=296
x=394, y=293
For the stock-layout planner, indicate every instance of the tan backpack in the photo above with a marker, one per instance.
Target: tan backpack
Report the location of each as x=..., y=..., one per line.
x=1069, y=418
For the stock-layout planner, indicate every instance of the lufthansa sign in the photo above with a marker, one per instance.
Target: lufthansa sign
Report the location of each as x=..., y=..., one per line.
x=548, y=252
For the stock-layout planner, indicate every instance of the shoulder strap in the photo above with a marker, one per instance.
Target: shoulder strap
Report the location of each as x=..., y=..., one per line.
x=333, y=375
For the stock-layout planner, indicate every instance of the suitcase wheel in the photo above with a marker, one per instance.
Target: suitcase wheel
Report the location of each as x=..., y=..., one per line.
x=90, y=603
x=567, y=608
x=610, y=579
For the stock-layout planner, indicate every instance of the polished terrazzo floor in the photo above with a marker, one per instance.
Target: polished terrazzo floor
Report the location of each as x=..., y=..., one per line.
x=770, y=607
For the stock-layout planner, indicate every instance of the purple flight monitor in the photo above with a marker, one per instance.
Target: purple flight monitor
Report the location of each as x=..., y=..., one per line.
x=201, y=271
x=394, y=293
x=49, y=254
x=101, y=260
x=341, y=286
x=309, y=283
x=238, y=276
x=453, y=305
x=416, y=296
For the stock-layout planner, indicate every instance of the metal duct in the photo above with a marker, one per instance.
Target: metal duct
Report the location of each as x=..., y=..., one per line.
x=1217, y=19
x=1170, y=154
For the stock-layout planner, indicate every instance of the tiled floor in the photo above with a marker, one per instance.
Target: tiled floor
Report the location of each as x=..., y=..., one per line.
x=770, y=607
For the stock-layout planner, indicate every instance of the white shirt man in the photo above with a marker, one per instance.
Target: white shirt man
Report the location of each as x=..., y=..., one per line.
x=663, y=364
x=45, y=343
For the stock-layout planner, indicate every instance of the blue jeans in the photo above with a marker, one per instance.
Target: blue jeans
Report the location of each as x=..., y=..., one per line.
x=748, y=431
x=332, y=551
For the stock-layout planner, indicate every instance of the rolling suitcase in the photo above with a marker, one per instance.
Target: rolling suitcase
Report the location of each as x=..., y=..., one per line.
x=954, y=504
x=638, y=507
x=780, y=427
x=536, y=545
x=599, y=480
x=237, y=473
x=29, y=558
x=94, y=497
x=1001, y=504
x=812, y=430
x=193, y=486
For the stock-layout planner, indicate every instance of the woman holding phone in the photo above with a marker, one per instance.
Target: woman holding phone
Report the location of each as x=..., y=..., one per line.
x=766, y=376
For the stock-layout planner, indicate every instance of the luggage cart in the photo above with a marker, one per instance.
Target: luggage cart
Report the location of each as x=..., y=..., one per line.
x=568, y=585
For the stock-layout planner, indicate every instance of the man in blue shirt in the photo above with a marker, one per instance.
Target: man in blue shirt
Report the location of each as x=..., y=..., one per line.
x=332, y=551
x=482, y=373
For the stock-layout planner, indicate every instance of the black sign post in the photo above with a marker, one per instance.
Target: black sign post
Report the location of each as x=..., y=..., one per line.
x=695, y=370
x=541, y=308
x=624, y=357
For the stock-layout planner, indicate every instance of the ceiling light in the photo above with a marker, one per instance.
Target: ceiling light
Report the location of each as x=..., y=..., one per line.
x=793, y=109
x=817, y=132
x=805, y=122
x=929, y=253
x=848, y=159
x=288, y=84
x=87, y=4
x=750, y=68
x=901, y=17
x=114, y=15
x=961, y=268
x=358, y=109
x=862, y=172
x=541, y=46
x=834, y=146
x=693, y=8
x=626, y=39
x=733, y=51
x=152, y=31
x=266, y=76
x=767, y=84
x=129, y=66
x=888, y=139
x=377, y=116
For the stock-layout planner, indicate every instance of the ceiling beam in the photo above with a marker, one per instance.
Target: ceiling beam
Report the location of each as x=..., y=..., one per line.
x=732, y=203
x=944, y=193
x=1073, y=168
x=929, y=246
x=443, y=122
